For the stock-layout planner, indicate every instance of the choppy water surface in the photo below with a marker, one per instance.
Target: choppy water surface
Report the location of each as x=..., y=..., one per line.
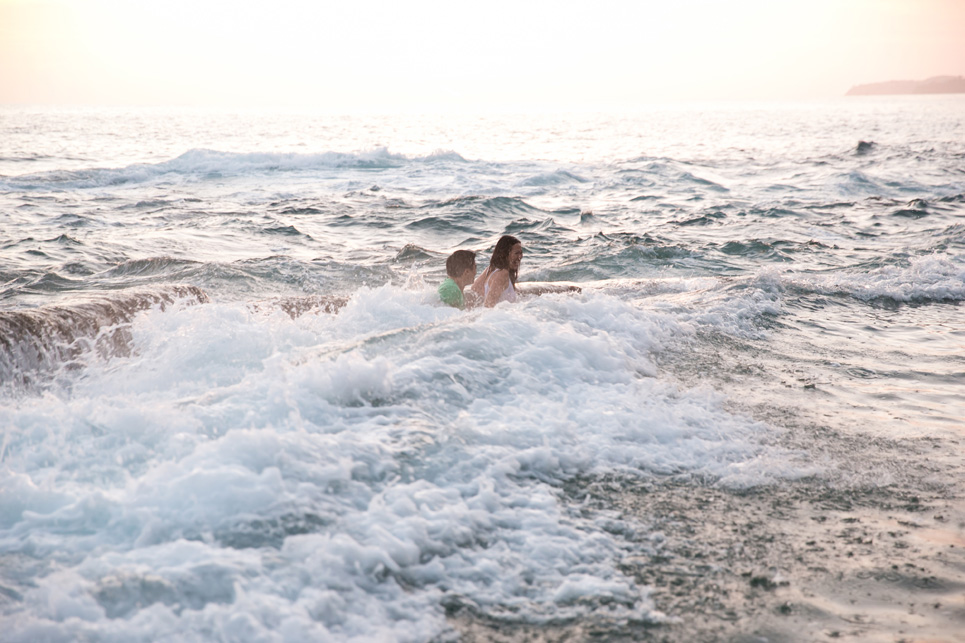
x=233, y=409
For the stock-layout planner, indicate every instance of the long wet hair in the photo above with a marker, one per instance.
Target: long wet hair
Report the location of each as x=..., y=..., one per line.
x=500, y=258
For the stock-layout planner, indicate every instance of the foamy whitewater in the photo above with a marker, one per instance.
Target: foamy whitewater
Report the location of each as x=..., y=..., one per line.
x=233, y=408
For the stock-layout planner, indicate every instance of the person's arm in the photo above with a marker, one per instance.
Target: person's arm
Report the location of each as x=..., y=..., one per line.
x=497, y=285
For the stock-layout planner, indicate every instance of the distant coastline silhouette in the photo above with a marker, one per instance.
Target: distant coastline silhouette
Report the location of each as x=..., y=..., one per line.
x=934, y=85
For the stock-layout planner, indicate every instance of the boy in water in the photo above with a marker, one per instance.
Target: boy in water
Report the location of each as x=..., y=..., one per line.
x=461, y=268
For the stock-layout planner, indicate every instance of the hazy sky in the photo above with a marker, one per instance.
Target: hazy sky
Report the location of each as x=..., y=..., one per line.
x=384, y=55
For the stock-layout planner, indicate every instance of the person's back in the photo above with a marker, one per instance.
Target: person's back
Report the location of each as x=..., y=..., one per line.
x=451, y=294
x=503, y=285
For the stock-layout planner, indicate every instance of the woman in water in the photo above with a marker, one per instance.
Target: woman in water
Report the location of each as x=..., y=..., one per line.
x=498, y=282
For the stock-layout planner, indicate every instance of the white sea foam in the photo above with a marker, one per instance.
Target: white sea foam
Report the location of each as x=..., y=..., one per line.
x=933, y=277
x=347, y=475
x=248, y=476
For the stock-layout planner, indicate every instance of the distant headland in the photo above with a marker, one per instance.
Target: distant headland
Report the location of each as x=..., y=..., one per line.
x=935, y=85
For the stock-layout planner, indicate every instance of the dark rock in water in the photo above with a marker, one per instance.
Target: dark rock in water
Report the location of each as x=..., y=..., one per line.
x=918, y=204
x=270, y=532
x=298, y=306
x=864, y=147
x=286, y=230
x=43, y=339
x=411, y=252
x=910, y=212
x=126, y=594
x=763, y=582
x=546, y=287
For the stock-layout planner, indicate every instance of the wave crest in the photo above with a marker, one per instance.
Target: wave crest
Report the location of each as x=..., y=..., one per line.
x=38, y=342
x=924, y=279
x=204, y=163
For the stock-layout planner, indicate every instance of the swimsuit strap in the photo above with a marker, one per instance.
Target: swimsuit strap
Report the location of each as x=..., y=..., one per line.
x=509, y=294
x=490, y=277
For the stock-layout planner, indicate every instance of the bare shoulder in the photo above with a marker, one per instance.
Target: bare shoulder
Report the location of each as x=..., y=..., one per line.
x=499, y=280
x=497, y=284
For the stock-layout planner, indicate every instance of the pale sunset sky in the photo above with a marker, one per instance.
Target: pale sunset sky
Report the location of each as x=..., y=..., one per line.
x=387, y=55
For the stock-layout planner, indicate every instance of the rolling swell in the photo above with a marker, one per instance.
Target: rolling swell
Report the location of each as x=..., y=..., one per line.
x=557, y=178
x=38, y=342
x=927, y=279
x=619, y=255
x=485, y=206
x=152, y=267
x=544, y=226
x=774, y=250
x=470, y=214
x=200, y=163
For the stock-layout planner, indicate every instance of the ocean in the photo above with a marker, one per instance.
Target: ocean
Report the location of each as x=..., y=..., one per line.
x=233, y=408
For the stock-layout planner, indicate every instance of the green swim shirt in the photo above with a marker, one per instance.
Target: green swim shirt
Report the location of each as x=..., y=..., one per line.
x=451, y=294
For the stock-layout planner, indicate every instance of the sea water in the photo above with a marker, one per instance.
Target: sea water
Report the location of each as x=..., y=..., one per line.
x=233, y=408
